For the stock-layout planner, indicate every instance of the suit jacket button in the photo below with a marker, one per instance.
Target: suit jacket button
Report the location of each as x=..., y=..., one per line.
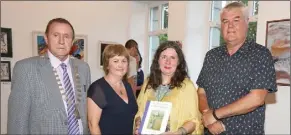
x=66, y=123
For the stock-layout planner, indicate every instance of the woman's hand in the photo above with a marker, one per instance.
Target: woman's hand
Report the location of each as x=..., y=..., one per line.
x=171, y=133
x=216, y=128
x=137, y=124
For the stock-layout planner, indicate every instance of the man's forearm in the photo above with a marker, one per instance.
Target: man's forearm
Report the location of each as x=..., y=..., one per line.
x=203, y=104
x=244, y=105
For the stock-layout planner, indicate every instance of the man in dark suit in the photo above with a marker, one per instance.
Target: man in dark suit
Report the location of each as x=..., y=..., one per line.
x=48, y=93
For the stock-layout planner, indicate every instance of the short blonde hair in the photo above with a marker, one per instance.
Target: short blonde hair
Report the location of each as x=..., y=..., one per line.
x=111, y=51
x=239, y=5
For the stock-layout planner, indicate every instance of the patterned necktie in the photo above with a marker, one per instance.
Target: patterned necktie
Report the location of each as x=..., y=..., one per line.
x=73, y=127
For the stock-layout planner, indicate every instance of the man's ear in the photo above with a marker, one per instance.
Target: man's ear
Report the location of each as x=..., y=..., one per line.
x=247, y=22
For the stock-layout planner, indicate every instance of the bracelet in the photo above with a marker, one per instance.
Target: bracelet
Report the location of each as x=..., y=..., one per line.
x=183, y=130
x=214, y=115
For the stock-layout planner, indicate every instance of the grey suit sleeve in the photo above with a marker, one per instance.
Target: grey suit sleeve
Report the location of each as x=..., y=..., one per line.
x=88, y=82
x=19, y=101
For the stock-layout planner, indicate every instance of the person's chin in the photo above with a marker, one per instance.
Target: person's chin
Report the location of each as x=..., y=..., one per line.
x=232, y=42
x=61, y=52
x=120, y=74
x=231, y=39
x=168, y=73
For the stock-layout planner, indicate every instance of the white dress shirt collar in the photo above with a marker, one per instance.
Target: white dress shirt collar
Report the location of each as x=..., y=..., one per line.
x=55, y=61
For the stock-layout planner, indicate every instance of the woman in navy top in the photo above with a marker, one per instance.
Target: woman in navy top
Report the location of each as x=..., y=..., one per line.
x=111, y=102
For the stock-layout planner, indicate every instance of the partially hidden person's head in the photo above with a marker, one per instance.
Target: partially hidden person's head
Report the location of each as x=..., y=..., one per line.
x=138, y=59
x=131, y=45
x=234, y=23
x=115, y=60
x=169, y=61
x=59, y=36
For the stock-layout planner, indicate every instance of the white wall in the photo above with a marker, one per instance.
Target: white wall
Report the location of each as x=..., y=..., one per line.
x=100, y=20
x=177, y=20
x=196, y=36
x=138, y=30
x=278, y=111
x=188, y=22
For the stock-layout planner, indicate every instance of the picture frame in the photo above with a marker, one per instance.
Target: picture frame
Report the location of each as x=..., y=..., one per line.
x=6, y=42
x=5, y=71
x=278, y=42
x=78, y=50
x=102, y=45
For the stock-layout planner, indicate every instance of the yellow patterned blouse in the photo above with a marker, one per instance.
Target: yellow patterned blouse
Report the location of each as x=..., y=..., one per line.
x=184, y=105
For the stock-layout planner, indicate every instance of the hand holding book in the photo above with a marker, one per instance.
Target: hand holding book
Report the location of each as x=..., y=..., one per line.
x=172, y=133
x=137, y=125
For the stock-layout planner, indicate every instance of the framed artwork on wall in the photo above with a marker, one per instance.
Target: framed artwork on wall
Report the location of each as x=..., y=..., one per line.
x=6, y=42
x=5, y=71
x=102, y=45
x=39, y=45
x=278, y=42
x=78, y=50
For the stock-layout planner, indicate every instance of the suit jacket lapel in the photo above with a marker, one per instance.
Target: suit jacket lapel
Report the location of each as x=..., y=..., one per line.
x=80, y=97
x=49, y=78
x=77, y=82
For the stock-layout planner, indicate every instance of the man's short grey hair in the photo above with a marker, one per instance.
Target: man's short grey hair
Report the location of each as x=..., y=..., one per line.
x=236, y=4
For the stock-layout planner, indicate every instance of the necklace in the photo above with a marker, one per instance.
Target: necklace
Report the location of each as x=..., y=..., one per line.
x=120, y=90
x=162, y=91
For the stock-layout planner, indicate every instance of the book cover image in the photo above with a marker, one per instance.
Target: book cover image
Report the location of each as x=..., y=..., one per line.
x=155, y=117
x=155, y=121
